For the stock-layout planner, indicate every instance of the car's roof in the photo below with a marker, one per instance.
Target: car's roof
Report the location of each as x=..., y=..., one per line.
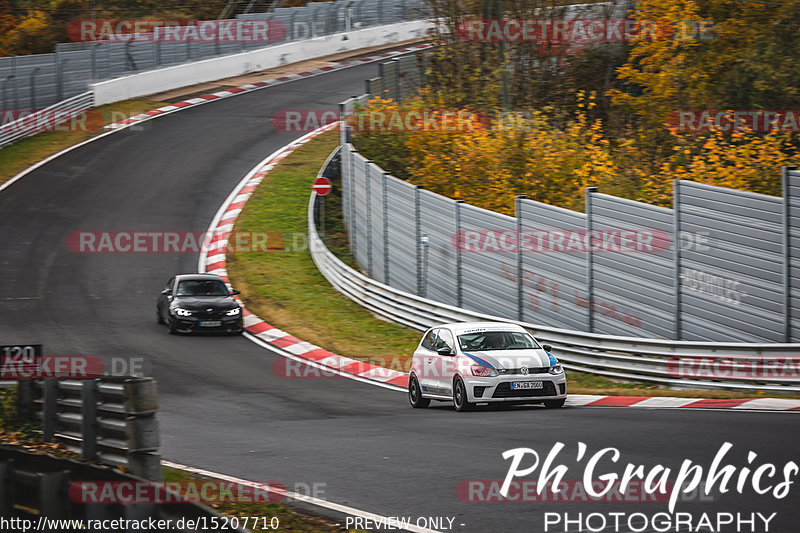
x=474, y=327
x=183, y=277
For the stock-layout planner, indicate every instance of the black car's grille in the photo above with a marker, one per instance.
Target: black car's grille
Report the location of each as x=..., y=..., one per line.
x=503, y=390
x=209, y=314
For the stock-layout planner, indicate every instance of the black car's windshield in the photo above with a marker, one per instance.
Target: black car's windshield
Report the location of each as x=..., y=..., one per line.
x=497, y=340
x=201, y=287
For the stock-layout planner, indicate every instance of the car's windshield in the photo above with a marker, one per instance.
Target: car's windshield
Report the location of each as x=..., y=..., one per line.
x=201, y=287
x=497, y=340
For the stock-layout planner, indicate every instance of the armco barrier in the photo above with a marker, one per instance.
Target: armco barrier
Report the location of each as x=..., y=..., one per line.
x=36, y=488
x=16, y=130
x=608, y=355
x=111, y=420
x=244, y=63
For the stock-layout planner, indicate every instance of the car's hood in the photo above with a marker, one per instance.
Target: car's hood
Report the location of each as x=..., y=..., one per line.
x=512, y=358
x=217, y=303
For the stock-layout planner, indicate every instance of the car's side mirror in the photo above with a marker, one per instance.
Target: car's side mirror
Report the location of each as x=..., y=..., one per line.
x=445, y=351
x=234, y=292
x=546, y=347
x=167, y=292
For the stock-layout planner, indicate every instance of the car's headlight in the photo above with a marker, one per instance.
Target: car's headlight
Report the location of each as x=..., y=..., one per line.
x=556, y=370
x=233, y=312
x=483, y=371
x=182, y=312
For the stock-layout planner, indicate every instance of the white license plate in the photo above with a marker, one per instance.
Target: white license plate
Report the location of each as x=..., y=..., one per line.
x=211, y=323
x=519, y=385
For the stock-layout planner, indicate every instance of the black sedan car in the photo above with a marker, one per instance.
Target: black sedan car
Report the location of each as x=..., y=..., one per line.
x=199, y=303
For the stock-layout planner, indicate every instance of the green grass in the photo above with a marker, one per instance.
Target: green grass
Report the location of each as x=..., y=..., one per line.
x=285, y=288
x=28, y=151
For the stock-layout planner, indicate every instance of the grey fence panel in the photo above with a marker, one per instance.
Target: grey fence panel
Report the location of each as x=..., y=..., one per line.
x=402, y=234
x=388, y=71
x=347, y=195
x=36, y=79
x=792, y=203
x=731, y=288
x=487, y=285
x=39, y=81
x=553, y=284
x=377, y=223
x=634, y=291
x=359, y=185
x=439, y=257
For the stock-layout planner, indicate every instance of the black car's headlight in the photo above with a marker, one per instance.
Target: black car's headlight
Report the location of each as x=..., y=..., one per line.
x=556, y=370
x=233, y=312
x=182, y=312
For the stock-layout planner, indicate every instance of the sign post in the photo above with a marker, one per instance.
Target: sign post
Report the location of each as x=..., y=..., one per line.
x=322, y=186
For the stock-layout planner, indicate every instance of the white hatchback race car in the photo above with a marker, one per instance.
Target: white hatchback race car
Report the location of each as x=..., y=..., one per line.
x=484, y=362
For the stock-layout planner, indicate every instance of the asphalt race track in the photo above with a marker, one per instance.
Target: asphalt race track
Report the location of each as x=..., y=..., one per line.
x=222, y=406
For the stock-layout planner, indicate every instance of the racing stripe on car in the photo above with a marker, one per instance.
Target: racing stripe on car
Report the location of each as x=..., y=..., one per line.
x=478, y=360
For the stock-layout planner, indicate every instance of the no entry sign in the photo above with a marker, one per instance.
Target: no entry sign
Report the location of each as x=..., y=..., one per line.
x=321, y=186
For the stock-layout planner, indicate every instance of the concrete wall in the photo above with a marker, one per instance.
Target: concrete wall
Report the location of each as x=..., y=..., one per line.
x=166, y=79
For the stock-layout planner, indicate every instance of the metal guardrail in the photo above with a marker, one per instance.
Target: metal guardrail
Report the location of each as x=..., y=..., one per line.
x=111, y=420
x=33, y=487
x=608, y=355
x=51, y=117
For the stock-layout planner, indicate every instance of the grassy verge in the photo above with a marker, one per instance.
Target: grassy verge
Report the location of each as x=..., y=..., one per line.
x=285, y=288
x=27, y=436
x=28, y=151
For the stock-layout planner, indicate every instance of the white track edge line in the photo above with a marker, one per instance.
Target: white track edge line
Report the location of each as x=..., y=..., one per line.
x=345, y=509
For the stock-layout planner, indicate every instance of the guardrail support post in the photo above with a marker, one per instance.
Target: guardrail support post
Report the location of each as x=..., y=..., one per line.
x=24, y=399
x=52, y=502
x=676, y=274
x=141, y=404
x=385, y=191
x=89, y=419
x=418, y=238
x=787, y=255
x=49, y=407
x=520, y=279
x=368, y=186
x=459, y=276
x=6, y=488
x=590, y=258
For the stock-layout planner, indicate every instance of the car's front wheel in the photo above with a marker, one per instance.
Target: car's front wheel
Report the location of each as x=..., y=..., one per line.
x=173, y=329
x=159, y=318
x=460, y=400
x=554, y=404
x=415, y=394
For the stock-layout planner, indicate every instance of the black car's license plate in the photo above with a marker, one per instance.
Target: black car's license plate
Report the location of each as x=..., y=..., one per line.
x=519, y=385
x=210, y=323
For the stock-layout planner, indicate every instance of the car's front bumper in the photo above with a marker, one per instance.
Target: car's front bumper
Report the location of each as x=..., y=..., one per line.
x=499, y=389
x=190, y=324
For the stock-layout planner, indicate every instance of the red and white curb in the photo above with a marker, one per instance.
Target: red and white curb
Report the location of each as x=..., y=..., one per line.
x=262, y=84
x=213, y=260
x=671, y=402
